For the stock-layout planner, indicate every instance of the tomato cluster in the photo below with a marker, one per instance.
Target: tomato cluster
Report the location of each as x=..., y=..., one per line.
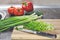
x=26, y=6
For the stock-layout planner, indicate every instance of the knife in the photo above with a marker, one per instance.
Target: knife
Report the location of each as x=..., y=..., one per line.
x=40, y=33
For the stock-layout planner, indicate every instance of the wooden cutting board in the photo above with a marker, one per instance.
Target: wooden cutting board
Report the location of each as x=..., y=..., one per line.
x=17, y=35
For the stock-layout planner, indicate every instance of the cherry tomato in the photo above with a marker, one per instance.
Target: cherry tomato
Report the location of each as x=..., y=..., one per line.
x=10, y=10
x=27, y=6
x=18, y=11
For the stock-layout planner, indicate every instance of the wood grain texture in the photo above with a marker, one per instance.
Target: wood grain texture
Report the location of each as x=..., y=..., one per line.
x=17, y=35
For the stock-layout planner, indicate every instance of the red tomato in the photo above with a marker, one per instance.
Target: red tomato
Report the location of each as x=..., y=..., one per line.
x=18, y=11
x=10, y=10
x=27, y=6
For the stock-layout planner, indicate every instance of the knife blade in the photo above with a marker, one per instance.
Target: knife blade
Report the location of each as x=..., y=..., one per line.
x=40, y=33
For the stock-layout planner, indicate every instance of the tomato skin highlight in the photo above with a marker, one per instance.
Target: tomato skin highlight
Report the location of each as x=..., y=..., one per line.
x=18, y=12
x=27, y=6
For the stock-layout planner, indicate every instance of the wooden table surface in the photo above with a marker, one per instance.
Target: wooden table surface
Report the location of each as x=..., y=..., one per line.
x=17, y=35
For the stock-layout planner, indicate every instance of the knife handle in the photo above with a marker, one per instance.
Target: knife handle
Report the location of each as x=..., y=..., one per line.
x=47, y=34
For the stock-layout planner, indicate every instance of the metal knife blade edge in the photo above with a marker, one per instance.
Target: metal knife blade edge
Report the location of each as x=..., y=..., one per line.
x=40, y=33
